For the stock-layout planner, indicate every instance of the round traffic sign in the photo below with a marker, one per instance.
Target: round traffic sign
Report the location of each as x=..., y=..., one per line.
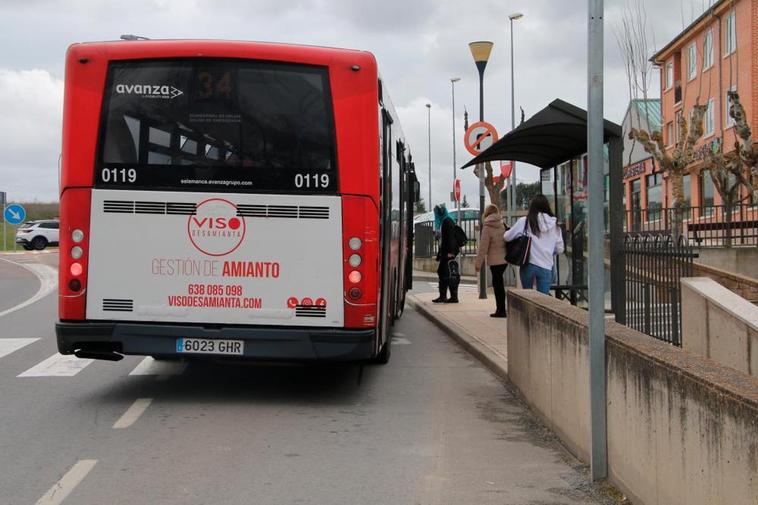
x=457, y=190
x=479, y=137
x=14, y=214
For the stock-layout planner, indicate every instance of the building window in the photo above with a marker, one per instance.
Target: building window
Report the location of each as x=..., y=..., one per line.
x=728, y=119
x=706, y=193
x=708, y=118
x=677, y=128
x=654, y=197
x=669, y=74
x=687, y=190
x=730, y=33
x=670, y=133
x=708, y=50
x=691, y=61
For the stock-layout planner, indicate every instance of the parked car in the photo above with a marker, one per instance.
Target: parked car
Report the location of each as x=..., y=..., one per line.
x=38, y=234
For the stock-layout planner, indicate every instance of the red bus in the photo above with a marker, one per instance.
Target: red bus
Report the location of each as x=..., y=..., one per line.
x=239, y=199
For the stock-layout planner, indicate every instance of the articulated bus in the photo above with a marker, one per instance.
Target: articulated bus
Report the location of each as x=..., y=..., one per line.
x=238, y=199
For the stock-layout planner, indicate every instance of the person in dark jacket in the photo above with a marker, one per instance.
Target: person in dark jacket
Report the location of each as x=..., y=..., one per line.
x=448, y=250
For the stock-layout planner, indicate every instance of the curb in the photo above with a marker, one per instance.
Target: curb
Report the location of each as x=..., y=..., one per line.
x=466, y=340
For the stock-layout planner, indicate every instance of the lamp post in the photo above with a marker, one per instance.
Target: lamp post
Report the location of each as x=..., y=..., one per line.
x=429, y=138
x=481, y=50
x=512, y=178
x=453, y=80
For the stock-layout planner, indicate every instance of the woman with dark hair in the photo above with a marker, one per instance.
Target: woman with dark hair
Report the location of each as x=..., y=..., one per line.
x=447, y=252
x=547, y=241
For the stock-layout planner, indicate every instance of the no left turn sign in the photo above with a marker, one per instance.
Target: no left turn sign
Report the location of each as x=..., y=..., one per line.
x=479, y=137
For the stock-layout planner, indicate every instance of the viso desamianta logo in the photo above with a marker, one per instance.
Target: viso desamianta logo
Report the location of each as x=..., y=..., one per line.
x=164, y=91
x=216, y=229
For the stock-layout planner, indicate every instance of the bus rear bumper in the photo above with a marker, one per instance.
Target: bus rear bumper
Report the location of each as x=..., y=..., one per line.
x=270, y=343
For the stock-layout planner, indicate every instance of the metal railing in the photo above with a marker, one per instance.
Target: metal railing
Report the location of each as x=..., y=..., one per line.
x=426, y=239
x=703, y=226
x=655, y=265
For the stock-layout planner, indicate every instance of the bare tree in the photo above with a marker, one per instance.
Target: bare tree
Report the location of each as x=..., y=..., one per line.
x=633, y=39
x=493, y=184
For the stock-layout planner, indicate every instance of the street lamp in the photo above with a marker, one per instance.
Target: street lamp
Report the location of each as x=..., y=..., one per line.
x=512, y=178
x=481, y=50
x=429, y=137
x=453, y=80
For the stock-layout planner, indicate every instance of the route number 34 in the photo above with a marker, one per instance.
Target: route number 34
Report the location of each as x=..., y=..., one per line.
x=311, y=181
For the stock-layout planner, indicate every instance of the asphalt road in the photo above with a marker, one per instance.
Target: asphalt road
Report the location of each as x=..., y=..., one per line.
x=432, y=427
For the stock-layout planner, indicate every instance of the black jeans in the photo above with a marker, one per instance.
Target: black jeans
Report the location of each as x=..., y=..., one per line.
x=445, y=282
x=498, y=286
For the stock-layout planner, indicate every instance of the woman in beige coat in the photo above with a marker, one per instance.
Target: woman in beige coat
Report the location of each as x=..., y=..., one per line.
x=492, y=247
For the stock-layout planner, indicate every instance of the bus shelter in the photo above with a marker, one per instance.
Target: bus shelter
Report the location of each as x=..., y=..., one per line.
x=555, y=140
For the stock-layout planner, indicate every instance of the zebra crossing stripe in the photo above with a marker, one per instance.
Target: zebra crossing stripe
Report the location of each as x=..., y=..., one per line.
x=11, y=345
x=58, y=365
x=150, y=366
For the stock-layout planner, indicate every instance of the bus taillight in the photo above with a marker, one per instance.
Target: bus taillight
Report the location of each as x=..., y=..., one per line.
x=360, y=260
x=74, y=245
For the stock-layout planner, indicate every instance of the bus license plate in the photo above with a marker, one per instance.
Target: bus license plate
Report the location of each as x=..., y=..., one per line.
x=210, y=346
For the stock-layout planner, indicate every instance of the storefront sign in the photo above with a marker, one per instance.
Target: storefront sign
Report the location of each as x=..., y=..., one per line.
x=634, y=170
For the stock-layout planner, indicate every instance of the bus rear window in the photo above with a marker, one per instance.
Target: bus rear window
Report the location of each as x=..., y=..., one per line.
x=217, y=125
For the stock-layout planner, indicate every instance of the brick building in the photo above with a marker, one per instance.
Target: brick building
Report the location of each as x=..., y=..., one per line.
x=717, y=53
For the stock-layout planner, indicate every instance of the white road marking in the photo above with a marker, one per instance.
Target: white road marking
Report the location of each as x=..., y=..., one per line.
x=398, y=334
x=48, y=281
x=58, y=365
x=9, y=345
x=151, y=366
x=133, y=413
x=401, y=341
x=61, y=489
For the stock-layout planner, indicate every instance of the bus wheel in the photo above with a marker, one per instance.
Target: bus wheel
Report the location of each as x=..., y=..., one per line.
x=400, y=307
x=384, y=355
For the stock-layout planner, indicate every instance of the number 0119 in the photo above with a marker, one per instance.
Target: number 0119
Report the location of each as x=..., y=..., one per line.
x=311, y=181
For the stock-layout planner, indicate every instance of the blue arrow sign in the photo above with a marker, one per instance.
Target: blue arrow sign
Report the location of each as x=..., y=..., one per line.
x=14, y=214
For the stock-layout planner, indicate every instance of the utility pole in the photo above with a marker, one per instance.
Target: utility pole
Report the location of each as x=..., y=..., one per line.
x=596, y=284
x=512, y=177
x=453, y=80
x=429, y=138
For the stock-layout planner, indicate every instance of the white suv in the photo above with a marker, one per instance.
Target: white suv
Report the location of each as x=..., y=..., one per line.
x=38, y=234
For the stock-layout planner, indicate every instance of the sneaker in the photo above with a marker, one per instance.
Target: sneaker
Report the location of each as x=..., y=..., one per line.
x=451, y=300
x=440, y=299
x=498, y=314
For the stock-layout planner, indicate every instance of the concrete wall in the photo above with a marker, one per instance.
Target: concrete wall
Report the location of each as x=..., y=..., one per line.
x=744, y=286
x=718, y=324
x=430, y=265
x=738, y=260
x=681, y=429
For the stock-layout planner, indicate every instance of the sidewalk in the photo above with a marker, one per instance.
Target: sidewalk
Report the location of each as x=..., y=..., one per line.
x=469, y=323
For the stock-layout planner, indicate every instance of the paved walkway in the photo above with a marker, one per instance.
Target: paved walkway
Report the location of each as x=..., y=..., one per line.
x=469, y=323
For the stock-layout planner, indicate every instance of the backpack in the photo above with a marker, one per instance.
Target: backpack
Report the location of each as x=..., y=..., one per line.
x=460, y=236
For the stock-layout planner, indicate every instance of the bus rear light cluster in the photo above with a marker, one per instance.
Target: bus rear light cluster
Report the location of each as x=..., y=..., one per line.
x=74, y=251
x=360, y=262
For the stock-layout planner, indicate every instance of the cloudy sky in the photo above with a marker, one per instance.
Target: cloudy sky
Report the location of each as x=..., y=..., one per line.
x=419, y=44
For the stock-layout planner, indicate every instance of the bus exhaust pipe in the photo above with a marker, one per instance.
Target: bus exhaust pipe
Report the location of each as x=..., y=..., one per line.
x=108, y=356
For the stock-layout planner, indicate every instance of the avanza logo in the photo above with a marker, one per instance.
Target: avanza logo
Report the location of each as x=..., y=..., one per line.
x=149, y=90
x=215, y=229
